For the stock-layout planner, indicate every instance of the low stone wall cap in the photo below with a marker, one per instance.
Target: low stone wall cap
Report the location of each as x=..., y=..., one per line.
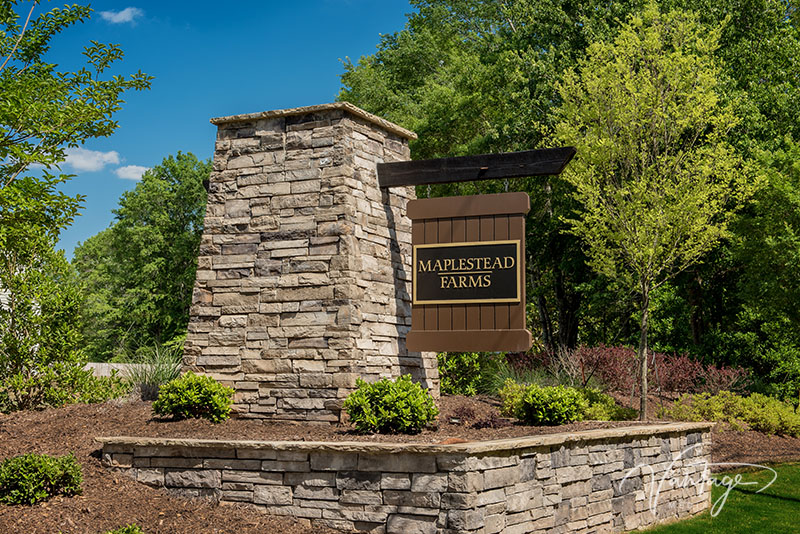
x=346, y=106
x=471, y=447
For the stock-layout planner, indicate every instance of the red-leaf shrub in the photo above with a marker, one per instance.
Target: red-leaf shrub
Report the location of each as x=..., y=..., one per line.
x=716, y=379
x=617, y=368
x=677, y=373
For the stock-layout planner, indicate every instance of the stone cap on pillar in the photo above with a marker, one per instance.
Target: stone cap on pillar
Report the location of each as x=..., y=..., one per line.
x=344, y=106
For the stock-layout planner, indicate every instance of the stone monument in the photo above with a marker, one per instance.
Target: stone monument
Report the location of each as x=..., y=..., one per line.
x=304, y=272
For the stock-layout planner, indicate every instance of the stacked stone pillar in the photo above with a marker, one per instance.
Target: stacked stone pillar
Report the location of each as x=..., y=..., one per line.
x=303, y=279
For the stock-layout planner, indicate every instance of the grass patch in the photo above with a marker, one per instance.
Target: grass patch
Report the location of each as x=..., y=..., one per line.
x=774, y=510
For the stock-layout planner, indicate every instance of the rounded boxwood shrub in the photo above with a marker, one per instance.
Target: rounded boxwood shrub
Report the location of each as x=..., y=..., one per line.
x=603, y=407
x=196, y=396
x=551, y=405
x=32, y=478
x=390, y=406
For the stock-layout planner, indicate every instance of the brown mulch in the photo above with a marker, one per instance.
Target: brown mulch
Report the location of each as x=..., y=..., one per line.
x=751, y=447
x=111, y=500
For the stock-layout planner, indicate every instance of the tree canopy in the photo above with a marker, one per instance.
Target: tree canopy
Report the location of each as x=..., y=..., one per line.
x=471, y=76
x=140, y=271
x=43, y=111
x=655, y=176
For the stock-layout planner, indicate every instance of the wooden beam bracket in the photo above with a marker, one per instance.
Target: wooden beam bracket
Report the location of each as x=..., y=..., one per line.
x=540, y=162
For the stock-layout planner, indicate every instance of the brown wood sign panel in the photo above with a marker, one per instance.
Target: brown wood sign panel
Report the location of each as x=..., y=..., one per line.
x=468, y=276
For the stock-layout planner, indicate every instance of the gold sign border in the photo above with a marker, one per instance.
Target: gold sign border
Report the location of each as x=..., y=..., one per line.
x=414, y=300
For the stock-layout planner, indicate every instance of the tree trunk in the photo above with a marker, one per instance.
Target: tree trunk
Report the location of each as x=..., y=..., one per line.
x=544, y=316
x=695, y=301
x=568, y=303
x=642, y=353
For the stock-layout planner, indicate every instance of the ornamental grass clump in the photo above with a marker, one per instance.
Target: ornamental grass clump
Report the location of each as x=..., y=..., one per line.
x=390, y=406
x=31, y=478
x=197, y=396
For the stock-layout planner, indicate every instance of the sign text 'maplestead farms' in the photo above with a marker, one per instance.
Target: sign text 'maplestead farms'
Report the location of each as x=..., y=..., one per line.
x=467, y=273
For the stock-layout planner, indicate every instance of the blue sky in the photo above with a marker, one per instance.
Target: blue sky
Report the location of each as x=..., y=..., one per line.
x=209, y=59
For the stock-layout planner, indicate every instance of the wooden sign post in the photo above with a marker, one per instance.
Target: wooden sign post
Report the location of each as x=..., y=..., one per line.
x=468, y=277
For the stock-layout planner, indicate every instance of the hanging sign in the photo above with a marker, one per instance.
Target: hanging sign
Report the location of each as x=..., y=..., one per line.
x=468, y=277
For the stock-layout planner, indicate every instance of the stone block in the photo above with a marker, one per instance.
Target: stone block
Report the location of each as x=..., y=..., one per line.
x=317, y=493
x=360, y=497
x=150, y=476
x=395, y=481
x=273, y=495
x=459, y=501
x=314, y=479
x=465, y=519
x=503, y=477
x=397, y=463
x=410, y=498
x=192, y=478
x=411, y=524
x=429, y=482
x=465, y=481
x=230, y=464
x=356, y=480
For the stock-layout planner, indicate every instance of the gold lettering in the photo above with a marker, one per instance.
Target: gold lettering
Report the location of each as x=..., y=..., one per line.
x=497, y=264
x=443, y=280
x=424, y=266
x=487, y=279
x=437, y=266
x=509, y=262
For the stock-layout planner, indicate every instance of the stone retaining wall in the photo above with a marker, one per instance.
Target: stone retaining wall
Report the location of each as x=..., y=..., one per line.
x=584, y=482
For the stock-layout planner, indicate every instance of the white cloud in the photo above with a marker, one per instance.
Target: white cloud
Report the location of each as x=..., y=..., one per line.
x=129, y=14
x=131, y=172
x=82, y=159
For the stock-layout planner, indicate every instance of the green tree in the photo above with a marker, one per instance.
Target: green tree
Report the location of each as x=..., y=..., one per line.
x=472, y=77
x=655, y=175
x=140, y=271
x=42, y=112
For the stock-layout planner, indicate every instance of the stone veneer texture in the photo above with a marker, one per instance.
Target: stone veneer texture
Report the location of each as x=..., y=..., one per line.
x=305, y=264
x=561, y=483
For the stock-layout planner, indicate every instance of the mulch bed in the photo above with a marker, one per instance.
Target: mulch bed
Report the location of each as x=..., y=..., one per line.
x=111, y=500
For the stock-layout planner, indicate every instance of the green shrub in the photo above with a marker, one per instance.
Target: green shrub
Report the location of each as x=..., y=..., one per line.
x=194, y=396
x=154, y=367
x=602, y=407
x=551, y=405
x=759, y=412
x=511, y=396
x=31, y=478
x=127, y=529
x=389, y=406
x=102, y=388
x=461, y=373
x=559, y=403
